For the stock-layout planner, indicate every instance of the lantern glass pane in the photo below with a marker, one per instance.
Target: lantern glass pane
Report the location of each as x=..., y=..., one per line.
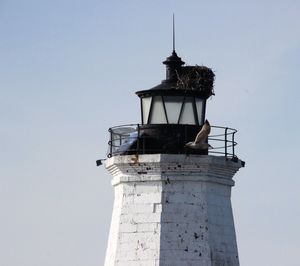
x=173, y=106
x=187, y=115
x=199, y=107
x=158, y=115
x=146, y=103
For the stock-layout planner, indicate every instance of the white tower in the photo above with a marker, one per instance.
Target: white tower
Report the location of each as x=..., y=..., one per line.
x=172, y=204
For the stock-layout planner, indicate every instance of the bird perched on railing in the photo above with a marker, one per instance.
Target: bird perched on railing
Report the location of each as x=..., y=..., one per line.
x=200, y=142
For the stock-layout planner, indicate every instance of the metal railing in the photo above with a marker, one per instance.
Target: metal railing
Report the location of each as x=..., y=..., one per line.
x=222, y=141
x=128, y=138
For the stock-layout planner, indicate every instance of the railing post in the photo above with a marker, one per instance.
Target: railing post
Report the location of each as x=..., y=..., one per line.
x=233, y=144
x=110, y=142
x=138, y=139
x=226, y=142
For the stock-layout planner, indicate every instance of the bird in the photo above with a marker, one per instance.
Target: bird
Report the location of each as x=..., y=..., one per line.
x=200, y=141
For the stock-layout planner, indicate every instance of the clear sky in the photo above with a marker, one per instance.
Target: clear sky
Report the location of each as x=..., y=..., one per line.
x=69, y=70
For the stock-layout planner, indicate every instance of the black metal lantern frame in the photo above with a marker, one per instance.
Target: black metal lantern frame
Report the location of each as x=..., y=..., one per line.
x=158, y=106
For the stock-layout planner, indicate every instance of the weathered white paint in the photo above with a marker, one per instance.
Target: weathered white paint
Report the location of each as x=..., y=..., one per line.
x=172, y=210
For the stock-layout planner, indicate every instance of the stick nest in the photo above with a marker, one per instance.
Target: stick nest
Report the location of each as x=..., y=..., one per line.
x=200, y=78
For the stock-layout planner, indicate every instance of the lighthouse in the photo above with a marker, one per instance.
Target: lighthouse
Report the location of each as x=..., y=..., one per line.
x=172, y=203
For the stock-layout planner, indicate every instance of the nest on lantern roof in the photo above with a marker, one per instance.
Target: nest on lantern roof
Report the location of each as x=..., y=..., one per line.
x=199, y=78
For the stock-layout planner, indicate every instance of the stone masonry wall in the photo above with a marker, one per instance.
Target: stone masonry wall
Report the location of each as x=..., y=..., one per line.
x=172, y=210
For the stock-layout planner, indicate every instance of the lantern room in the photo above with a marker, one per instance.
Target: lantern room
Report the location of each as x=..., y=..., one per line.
x=180, y=98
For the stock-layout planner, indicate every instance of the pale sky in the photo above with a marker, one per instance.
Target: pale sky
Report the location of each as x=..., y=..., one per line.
x=69, y=71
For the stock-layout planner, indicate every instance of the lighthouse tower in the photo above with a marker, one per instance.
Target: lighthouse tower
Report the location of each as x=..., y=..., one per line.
x=172, y=203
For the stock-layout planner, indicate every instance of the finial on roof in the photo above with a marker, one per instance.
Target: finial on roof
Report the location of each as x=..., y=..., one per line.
x=173, y=62
x=173, y=32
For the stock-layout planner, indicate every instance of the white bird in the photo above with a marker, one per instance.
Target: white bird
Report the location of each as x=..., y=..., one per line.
x=200, y=141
